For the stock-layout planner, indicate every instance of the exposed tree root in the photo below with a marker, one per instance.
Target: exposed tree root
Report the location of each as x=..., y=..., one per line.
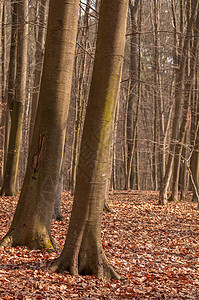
x=7, y=241
x=102, y=270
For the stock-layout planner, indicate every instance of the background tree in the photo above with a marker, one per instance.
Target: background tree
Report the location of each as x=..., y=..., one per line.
x=132, y=120
x=9, y=183
x=178, y=100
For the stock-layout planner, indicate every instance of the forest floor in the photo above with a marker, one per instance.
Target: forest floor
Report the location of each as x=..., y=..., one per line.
x=155, y=249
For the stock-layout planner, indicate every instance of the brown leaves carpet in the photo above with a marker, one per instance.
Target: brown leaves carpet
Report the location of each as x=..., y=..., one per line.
x=155, y=249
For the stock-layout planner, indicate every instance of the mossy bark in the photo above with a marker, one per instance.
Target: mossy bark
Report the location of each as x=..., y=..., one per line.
x=33, y=215
x=10, y=175
x=83, y=252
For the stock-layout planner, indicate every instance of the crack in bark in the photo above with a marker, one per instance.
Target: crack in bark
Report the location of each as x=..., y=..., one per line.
x=38, y=158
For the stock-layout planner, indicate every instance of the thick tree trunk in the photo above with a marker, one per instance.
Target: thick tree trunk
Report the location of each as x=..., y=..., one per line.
x=32, y=219
x=83, y=252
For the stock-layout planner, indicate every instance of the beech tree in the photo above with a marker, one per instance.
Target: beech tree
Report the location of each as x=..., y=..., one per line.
x=83, y=252
x=32, y=218
x=16, y=107
x=132, y=120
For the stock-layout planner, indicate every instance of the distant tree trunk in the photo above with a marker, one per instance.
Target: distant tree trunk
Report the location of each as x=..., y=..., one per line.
x=3, y=86
x=40, y=41
x=80, y=101
x=57, y=215
x=9, y=183
x=178, y=98
x=11, y=77
x=1, y=94
x=196, y=173
x=187, y=99
x=131, y=122
x=156, y=92
x=194, y=164
x=83, y=252
x=184, y=170
x=33, y=215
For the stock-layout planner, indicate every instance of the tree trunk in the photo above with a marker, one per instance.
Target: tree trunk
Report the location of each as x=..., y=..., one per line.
x=1, y=93
x=80, y=101
x=83, y=252
x=57, y=215
x=131, y=123
x=156, y=91
x=11, y=77
x=184, y=170
x=32, y=219
x=40, y=41
x=9, y=183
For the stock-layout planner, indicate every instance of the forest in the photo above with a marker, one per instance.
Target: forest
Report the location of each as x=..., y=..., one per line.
x=99, y=149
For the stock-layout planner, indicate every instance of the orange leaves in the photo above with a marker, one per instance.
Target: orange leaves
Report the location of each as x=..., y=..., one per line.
x=153, y=248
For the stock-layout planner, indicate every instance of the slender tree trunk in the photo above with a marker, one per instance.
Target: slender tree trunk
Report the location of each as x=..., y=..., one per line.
x=1, y=94
x=83, y=252
x=11, y=77
x=57, y=215
x=156, y=89
x=184, y=170
x=80, y=101
x=40, y=42
x=9, y=184
x=131, y=123
x=33, y=215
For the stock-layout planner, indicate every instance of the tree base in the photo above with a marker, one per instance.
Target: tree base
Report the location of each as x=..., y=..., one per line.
x=172, y=199
x=58, y=218
x=12, y=239
x=103, y=270
x=7, y=193
x=195, y=199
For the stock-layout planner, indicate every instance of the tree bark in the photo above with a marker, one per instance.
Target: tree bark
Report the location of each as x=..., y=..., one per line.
x=33, y=215
x=11, y=167
x=80, y=101
x=83, y=252
x=131, y=123
x=40, y=42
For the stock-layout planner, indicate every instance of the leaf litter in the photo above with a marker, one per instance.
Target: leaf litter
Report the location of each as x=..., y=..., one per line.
x=154, y=248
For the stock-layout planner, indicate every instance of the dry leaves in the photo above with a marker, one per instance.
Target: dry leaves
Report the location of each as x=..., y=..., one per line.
x=155, y=249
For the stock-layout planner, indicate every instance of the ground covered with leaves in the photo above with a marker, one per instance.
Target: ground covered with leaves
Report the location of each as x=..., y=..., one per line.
x=155, y=249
